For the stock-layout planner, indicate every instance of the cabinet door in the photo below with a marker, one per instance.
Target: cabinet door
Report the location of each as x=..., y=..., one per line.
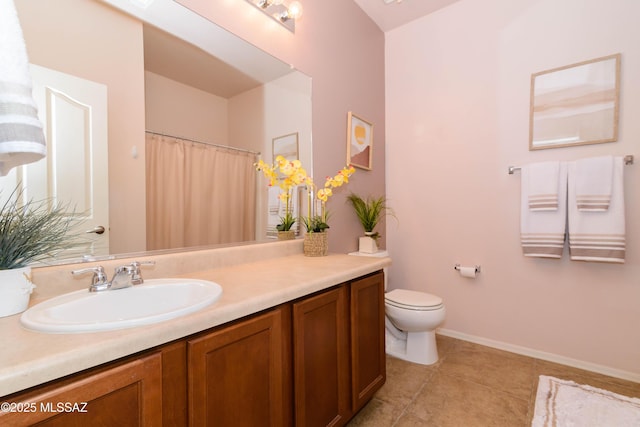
x=129, y=394
x=321, y=359
x=368, y=367
x=174, y=384
x=237, y=375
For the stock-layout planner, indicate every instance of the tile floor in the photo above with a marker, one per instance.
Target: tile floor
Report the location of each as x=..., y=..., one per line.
x=470, y=386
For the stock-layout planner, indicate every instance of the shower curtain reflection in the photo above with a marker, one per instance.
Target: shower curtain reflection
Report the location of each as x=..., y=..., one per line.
x=197, y=194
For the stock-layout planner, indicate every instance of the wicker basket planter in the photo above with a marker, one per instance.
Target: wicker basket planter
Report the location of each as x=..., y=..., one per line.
x=286, y=235
x=316, y=244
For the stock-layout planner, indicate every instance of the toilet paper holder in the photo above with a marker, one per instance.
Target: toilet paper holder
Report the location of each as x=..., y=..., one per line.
x=457, y=268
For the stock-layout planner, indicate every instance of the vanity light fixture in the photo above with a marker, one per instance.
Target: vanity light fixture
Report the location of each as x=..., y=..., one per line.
x=284, y=14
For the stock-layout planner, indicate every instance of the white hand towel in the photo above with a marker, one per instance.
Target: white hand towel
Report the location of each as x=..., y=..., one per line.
x=598, y=236
x=543, y=186
x=21, y=136
x=542, y=233
x=593, y=177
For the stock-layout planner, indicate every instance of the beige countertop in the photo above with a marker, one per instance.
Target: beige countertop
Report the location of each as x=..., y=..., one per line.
x=30, y=358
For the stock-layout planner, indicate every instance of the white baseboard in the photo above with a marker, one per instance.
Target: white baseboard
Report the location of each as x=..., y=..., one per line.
x=550, y=357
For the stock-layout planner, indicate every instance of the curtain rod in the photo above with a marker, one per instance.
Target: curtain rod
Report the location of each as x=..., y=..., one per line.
x=227, y=147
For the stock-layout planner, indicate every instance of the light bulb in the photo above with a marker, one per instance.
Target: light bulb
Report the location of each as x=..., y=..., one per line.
x=295, y=10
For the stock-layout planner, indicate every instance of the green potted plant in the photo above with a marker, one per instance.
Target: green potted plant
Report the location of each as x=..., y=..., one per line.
x=30, y=232
x=369, y=211
x=315, y=224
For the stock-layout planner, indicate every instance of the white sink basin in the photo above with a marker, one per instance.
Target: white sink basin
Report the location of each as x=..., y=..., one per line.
x=154, y=301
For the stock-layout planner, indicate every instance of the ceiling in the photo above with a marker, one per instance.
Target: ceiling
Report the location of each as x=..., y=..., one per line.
x=168, y=56
x=397, y=13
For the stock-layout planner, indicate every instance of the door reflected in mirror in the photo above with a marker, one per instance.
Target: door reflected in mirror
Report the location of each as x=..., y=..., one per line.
x=73, y=112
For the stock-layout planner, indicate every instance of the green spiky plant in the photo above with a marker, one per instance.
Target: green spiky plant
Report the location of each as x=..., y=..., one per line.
x=315, y=224
x=32, y=232
x=369, y=211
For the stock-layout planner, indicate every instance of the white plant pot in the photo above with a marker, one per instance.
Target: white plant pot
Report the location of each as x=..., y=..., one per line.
x=15, y=290
x=367, y=245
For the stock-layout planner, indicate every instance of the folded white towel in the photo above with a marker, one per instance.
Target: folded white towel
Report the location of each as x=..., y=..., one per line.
x=542, y=232
x=543, y=186
x=21, y=136
x=598, y=236
x=593, y=177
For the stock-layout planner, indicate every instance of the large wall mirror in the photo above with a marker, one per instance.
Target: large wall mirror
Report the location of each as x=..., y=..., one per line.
x=165, y=72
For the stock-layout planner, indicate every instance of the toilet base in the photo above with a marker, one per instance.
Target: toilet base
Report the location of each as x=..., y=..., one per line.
x=418, y=347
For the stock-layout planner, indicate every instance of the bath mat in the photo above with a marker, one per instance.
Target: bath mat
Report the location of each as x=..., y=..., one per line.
x=561, y=403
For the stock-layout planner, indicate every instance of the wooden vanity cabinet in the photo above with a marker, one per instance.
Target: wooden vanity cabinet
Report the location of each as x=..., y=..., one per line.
x=125, y=393
x=312, y=362
x=321, y=359
x=338, y=351
x=368, y=359
x=239, y=375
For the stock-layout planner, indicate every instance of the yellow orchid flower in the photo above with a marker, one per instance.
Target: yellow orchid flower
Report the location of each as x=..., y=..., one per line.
x=288, y=174
x=324, y=194
x=281, y=161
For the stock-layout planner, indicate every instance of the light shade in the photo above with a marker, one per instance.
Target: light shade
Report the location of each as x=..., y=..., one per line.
x=21, y=136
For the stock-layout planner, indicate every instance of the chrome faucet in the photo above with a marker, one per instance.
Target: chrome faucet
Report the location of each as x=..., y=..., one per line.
x=124, y=276
x=99, y=280
x=136, y=275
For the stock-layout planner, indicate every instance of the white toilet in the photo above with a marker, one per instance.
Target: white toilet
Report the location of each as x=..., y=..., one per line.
x=411, y=321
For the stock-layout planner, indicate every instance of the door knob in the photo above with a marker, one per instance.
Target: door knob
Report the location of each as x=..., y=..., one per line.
x=98, y=230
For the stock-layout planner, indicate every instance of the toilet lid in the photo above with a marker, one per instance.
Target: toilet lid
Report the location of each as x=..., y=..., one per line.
x=412, y=299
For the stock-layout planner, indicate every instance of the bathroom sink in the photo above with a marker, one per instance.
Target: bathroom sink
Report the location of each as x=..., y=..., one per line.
x=154, y=301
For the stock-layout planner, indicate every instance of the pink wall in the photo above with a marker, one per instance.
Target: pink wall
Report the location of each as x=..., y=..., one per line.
x=343, y=51
x=457, y=108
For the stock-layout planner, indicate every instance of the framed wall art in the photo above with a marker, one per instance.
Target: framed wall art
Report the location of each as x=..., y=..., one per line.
x=286, y=146
x=576, y=104
x=359, y=142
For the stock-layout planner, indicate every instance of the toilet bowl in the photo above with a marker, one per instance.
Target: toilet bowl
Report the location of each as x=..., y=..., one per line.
x=411, y=321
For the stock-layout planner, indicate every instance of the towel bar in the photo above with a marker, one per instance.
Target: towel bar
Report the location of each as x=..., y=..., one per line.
x=628, y=160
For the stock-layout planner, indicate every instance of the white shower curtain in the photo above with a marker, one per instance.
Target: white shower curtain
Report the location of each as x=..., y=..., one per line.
x=198, y=194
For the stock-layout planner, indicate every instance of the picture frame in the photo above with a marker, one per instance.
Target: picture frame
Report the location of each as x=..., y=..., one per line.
x=286, y=146
x=359, y=142
x=577, y=104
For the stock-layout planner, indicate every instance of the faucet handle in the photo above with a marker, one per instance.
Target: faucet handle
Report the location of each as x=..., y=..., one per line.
x=136, y=275
x=99, y=280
